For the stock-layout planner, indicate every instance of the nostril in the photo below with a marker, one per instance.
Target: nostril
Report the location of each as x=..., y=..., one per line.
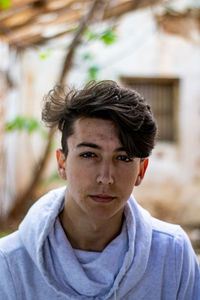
x=105, y=173
x=105, y=179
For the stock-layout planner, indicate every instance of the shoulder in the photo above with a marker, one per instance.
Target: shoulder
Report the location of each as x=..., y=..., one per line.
x=10, y=248
x=172, y=240
x=10, y=243
x=169, y=230
x=178, y=246
x=174, y=249
x=171, y=234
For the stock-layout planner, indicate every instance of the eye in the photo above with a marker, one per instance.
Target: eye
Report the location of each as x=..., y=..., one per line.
x=88, y=155
x=124, y=158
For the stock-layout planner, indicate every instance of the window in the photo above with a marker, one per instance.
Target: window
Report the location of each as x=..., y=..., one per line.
x=162, y=95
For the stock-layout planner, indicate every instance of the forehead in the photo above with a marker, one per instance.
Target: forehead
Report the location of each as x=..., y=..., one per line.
x=95, y=130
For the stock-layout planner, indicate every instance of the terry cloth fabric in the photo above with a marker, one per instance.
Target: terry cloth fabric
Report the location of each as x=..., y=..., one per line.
x=149, y=259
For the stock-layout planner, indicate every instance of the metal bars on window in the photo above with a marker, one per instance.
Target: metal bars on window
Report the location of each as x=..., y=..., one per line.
x=162, y=95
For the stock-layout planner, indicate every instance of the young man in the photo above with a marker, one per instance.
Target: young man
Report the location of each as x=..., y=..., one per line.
x=90, y=239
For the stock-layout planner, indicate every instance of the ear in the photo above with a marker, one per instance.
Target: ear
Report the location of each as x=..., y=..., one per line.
x=143, y=167
x=61, y=164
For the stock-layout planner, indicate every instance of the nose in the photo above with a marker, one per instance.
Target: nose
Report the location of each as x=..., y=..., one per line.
x=105, y=174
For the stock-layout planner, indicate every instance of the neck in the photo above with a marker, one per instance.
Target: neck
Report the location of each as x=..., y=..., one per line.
x=89, y=234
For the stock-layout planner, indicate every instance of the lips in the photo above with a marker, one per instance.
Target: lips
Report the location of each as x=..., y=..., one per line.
x=102, y=198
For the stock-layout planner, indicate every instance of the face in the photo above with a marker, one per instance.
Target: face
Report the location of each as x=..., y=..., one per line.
x=100, y=175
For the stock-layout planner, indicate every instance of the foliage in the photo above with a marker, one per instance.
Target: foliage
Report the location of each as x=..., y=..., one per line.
x=108, y=36
x=89, y=35
x=31, y=125
x=5, y=4
x=87, y=56
x=93, y=72
x=28, y=124
x=45, y=54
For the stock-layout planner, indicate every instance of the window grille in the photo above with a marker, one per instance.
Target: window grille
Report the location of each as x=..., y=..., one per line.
x=162, y=95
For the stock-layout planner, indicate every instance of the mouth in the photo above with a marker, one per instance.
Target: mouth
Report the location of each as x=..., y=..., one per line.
x=102, y=198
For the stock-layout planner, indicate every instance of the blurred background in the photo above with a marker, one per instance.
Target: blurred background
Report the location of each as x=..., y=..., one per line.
x=152, y=46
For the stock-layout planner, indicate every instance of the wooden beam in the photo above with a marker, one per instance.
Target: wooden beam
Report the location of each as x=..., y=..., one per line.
x=128, y=6
x=49, y=6
x=28, y=25
x=16, y=7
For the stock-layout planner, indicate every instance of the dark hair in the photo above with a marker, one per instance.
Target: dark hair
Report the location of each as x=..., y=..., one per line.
x=105, y=100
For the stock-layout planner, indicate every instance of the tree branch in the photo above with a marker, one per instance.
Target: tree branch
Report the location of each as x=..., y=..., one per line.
x=76, y=41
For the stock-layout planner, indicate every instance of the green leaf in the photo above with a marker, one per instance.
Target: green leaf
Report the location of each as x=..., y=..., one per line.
x=16, y=124
x=28, y=124
x=45, y=54
x=89, y=35
x=93, y=72
x=87, y=56
x=5, y=4
x=31, y=125
x=108, y=37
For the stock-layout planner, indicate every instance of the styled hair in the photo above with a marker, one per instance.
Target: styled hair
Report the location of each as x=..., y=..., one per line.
x=106, y=100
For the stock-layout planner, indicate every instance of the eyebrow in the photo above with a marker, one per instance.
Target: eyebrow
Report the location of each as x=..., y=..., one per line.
x=95, y=146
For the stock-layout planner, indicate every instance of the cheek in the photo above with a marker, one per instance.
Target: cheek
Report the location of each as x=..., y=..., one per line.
x=127, y=179
x=79, y=177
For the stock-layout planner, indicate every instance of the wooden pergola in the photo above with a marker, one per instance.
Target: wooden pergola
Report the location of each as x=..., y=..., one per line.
x=26, y=23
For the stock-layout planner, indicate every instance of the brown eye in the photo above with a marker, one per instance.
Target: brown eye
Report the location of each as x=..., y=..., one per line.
x=88, y=155
x=124, y=158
